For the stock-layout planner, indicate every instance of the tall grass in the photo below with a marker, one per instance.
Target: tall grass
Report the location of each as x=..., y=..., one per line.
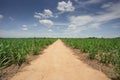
x=16, y=51
x=105, y=50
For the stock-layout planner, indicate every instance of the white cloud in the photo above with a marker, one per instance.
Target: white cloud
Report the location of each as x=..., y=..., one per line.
x=88, y=2
x=72, y=27
x=94, y=25
x=80, y=20
x=84, y=22
x=92, y=1
x=38, y=15
x=113, y=12
x=15, y=34
x=46, y=14
x=75, y=29
x=65, y=6
x=46, y=22
x=24, y=27
x=1, y=16
x=85, y=3
x=107, y=5
x=50, y=30
x=82, y=28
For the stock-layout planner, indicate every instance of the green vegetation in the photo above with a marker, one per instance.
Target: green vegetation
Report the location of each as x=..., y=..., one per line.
x=105, y=50
x=16, y=51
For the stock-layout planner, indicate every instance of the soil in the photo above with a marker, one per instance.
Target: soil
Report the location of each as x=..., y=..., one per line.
x=58, y=62
x=96, y=64
x=10, y=71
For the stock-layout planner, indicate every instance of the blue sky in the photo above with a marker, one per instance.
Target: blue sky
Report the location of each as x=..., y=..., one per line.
x=60, y=18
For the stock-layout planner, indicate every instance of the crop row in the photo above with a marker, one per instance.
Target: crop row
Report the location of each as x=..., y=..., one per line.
x=16, y=51
x=105, y=50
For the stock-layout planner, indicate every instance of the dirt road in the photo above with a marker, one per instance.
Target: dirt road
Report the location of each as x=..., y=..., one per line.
x=58, y=62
